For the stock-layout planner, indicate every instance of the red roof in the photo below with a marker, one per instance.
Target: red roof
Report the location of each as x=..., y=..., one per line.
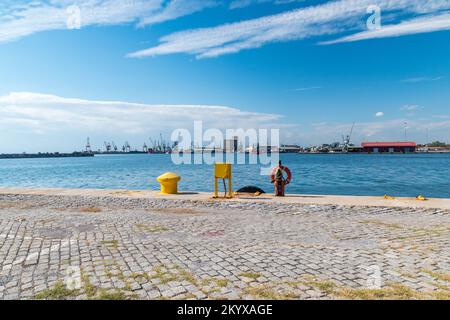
x=388, y=144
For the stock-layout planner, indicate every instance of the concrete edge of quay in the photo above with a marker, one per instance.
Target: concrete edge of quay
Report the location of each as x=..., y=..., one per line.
x=290, y=199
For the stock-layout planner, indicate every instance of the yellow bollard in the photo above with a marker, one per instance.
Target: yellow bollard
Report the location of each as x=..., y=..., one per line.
x=223, y=171
x=169, y=183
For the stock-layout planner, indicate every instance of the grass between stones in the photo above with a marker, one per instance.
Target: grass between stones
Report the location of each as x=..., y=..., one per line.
x=324, y=286
x=166, y=275
x=393, y=291
x=250, y=275
x=211, y=287
x=437, y=275
x=177, y=210
x=114, y=244
x=382, y=224
x=94, y=293
x=48, y=221
x=293, y=289
x=91, y=210
x=162, y=275
x=151, y=228
x=112, y=295
x=58, y=292
x=89, y=289
x=417, y=233
x=61, y=292
x=267, y=292
x=221, y=282
x=16, y=205
x=91, y=292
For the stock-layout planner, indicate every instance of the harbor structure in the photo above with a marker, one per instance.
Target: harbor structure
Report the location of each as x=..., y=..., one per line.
x=389, y=147
x=46, y=155
x=290, y=148
x=231, y=145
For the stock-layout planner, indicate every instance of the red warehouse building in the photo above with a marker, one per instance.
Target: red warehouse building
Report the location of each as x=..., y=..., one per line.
x=389, y=147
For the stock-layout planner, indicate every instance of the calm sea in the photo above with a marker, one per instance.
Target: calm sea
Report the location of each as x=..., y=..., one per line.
x=398, y=175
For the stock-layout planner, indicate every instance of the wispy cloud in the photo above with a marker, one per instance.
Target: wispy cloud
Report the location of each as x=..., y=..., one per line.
x=22, y=18
x=306, y=88
x=328, y=19
x=238, y=4
x=410, y=107
x=334, y=18
x=50, y=116
x=426, y=24
x=178, y=8
x=49, y=113
x=442, y=116
x=380, y=130
x=422, y=79
x=411, y=110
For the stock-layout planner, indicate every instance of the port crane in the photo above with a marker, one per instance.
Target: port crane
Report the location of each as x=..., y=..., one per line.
x=153, y=145
x=126, y=147
x=88, y=146
x=347, y=139
x=162, y=146
x=108, y=146
x=114, y=146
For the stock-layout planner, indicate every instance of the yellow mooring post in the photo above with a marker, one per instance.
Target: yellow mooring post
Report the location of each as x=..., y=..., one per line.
x=223, y=171
x=169, y=183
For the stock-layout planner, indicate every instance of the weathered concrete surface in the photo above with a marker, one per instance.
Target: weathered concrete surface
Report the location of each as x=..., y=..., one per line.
x=128, y=244
x=267, y=198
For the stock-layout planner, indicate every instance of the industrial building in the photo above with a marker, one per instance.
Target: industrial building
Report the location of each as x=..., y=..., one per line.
x=231, y=145
x=389, y=147
x=289, y=148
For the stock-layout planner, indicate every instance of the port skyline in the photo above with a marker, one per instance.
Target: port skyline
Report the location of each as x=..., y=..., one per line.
x=164, y=148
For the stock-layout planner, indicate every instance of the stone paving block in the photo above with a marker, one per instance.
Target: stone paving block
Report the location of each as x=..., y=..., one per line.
x=274, y=245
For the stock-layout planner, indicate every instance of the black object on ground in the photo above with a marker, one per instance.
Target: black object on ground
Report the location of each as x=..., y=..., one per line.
x=250, y=189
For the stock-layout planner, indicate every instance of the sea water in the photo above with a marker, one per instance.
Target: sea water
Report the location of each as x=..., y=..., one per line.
x=339, y=174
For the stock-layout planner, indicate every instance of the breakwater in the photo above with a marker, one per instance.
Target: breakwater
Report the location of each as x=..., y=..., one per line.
x=45, y=155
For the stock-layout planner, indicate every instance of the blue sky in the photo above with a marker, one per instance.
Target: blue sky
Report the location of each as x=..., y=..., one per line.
x=133, y=69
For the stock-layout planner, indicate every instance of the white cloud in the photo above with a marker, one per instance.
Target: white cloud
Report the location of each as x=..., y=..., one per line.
x=306, y=88
x=178, y=8
x=422, y=79
x=49, y=113
x=238, y=4
x=327, y=19
x=23, y=18
x=410, y=107
x=391, y=130
x=442, y=116
x=426, y=24
x=63, y=123
x=379, y=114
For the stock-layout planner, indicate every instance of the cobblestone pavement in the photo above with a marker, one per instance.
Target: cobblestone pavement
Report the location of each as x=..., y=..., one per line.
x=67, y=247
